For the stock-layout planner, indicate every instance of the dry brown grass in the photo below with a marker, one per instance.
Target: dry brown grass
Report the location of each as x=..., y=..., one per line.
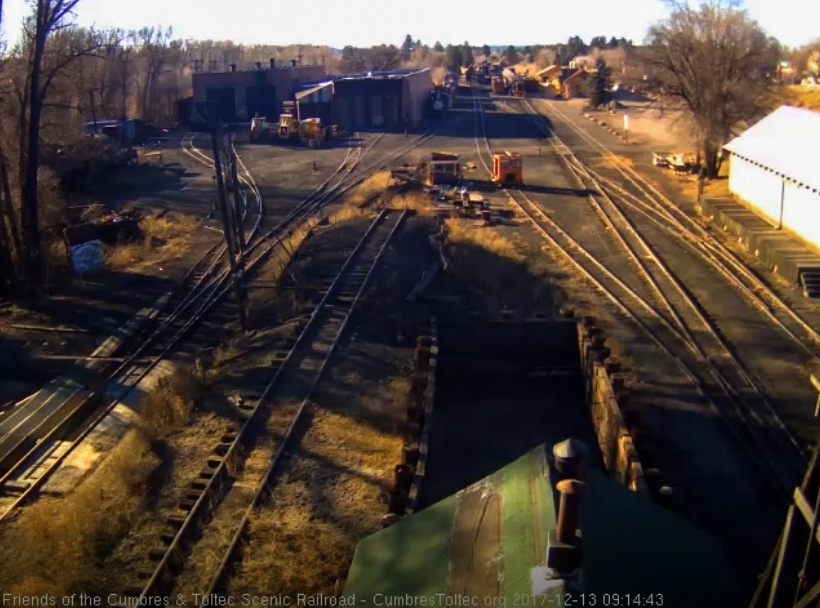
x=496, y=264
x=798, y=96
x=368, y=189
x=417, y=201
x=165, y=238
x=65, y=540
x=304, y=551
x=304, y=543
x=171, y=402
x=463, y=232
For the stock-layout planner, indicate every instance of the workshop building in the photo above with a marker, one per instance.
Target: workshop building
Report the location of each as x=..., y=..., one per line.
x=381, y=100
x=237, y=95
x=773, y=169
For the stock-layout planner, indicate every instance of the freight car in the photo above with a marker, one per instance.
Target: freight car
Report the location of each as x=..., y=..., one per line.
x=498, y=85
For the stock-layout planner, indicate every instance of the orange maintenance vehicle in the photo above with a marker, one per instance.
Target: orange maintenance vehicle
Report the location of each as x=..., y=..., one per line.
x=507, y=169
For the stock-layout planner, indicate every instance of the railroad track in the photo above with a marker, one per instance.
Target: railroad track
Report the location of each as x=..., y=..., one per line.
x=206, y=283
x=202, y=286
x=661, y=211
x=673, y=320
x=275, y=416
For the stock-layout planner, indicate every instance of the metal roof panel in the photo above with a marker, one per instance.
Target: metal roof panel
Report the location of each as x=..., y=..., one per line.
x=784, y=141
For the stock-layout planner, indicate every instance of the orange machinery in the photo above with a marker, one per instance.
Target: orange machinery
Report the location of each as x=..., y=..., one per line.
x=507, y=169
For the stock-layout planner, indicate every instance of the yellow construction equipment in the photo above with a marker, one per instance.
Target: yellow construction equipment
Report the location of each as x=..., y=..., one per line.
x=507, y=169
x=288, y=127
x=313, y=133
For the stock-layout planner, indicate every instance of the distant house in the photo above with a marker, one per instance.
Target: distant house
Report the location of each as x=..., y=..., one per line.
x=555, y=76
x=548, y=73
x=576, y=84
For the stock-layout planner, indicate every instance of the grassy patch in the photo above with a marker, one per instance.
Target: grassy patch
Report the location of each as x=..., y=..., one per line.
x=417, y=201
x=170, y=404
x=303, y=551
x=484, y=239
x=66, y=540
x=368, y=189
x=798, y=96
x=165, y=238
x=330, y=500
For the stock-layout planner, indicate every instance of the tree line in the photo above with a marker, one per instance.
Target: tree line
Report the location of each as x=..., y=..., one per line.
x=713, y=59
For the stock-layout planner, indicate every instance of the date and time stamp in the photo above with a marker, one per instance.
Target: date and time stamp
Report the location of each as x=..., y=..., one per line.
x=437, y=600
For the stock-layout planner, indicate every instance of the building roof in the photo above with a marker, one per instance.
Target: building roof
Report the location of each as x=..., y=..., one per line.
x=432, y=551
x=630, y=544
x=392, y=74
x=783, y=142
x=305, y=92
x=577, y=73
x=548, y=70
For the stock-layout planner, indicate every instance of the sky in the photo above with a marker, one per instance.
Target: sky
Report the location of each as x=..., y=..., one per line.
x=336, y=23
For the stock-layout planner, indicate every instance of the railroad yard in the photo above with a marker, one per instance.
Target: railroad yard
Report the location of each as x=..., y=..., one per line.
x=207, y=457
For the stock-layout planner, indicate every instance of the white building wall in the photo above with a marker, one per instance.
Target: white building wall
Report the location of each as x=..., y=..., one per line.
x=801, y=212
x=760, y=188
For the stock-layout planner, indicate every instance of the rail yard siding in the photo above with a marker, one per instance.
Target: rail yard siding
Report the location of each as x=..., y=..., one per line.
x=614, y=440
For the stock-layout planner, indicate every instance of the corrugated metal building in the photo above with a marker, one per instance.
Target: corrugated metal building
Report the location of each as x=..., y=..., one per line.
x=381, y=100
x=773, y=168
x=238, y=95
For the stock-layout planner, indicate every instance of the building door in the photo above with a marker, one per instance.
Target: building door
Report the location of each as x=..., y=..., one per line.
x=377, y=110
x=343, y=117
x=222, y=101
x=391, y=118
x=359, y=114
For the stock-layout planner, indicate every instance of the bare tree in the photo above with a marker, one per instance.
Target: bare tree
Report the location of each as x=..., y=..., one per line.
x=152, y=45
x=713, y=59
x=49, y=17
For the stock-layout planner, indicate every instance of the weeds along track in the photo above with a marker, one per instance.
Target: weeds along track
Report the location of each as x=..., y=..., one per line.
x=662, y=308
x=211, y=520
x=648, y=201
x=42, y=439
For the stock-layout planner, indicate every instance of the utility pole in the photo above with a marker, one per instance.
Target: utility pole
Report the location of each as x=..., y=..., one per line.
x=226, y=222
x=233, y=211
x=237, y=198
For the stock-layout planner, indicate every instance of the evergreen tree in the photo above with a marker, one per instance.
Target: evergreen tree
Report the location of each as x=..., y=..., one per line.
x=437, y=47
x=613, y=43
x=511, y=54
x=599, y=84
x=485, y=50
x=407, y=47
x=453, y=57
x=466, y=54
